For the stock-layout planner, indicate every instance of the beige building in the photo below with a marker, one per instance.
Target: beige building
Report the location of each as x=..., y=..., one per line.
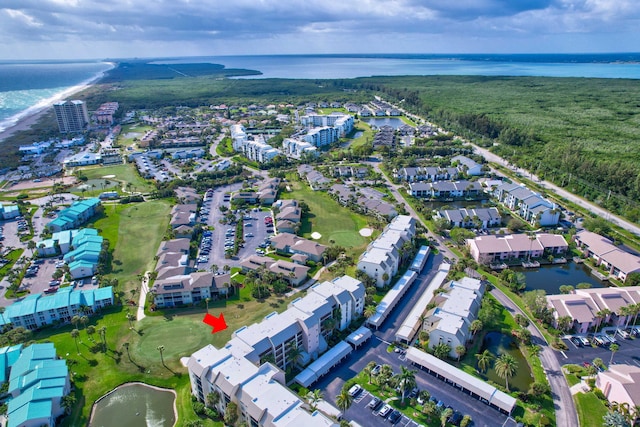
x=621, y=384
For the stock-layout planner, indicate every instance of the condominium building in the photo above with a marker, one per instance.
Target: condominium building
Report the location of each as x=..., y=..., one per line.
x=531, y=206
x=491, y=248
x=72, y=116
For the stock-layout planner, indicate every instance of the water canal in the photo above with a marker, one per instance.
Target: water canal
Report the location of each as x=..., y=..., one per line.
x=498, y=343
x=551, y=277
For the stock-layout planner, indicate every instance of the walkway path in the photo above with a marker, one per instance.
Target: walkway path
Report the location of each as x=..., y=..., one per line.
x=144, y=290
x=566, y=415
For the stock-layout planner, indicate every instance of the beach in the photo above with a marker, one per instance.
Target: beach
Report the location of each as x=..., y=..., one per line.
x=29, y=117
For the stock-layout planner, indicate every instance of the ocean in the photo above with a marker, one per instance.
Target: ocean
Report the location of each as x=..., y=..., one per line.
x=28, y=86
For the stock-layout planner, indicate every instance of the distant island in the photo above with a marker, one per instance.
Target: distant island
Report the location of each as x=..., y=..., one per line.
x=148, y=70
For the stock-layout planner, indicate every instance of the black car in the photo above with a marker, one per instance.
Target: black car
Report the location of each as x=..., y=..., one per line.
x=455, y=418
x=395, y=416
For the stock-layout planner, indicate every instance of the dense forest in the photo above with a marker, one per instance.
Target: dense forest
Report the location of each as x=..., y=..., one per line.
x=580, y=133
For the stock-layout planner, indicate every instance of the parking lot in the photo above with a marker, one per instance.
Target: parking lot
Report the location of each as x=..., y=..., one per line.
x=627, y=353
x=360, y=405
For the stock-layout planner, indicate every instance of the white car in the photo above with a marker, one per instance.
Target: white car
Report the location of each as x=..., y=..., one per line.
x=354, y=390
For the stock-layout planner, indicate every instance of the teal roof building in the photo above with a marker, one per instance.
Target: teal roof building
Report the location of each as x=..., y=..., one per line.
x=38, y=381
x=75, y=215
x=38, y=310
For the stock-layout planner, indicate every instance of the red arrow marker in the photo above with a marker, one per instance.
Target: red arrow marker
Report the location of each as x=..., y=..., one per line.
x=217, y=323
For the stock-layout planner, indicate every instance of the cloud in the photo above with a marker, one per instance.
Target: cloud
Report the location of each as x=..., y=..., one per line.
x=251, y=25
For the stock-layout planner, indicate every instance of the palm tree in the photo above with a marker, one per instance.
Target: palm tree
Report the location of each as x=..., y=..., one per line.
x=406, y=380
x=75, y=334
x=67, y=402
x=344, y=400
x=130, y=318
x=90, y=331
x=212, y=399
x=31, y=245
x=506, y=366
x=102, y=331
x=313, y=398
x=126, y=347
x=626, y=311
x=429, y=408
x=161, y=350
x=206, y=301
x=384, y=376
x=75, y=320
x=2, y=317
x=613, y=347
x=442, y=350
x=484, y=360
x=601, y=315
x=84, y=319
x=369, y=369
x=460, y=351
x=369, y=311
x=476, y=326
x=444, y=416
x=294, y=354
x=635, y=310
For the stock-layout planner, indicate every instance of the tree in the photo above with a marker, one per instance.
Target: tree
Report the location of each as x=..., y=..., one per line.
x=506, y=366
x=90, y=331
x=294, y=354
x=614, y=419
x=442, y=350
x=102, y=331
x=566, y=289
x=613, y=347
x=212, y=399
x=67, y=402
x=429, y=408
x=460, y=351
x=484, y=360
x=313, y=398
x=84, y=319
x=601, y=315
x=466, y=420
x=75, y=320
x=31, y=245
x=75, y=334
x=406, y=380
x=344, y=400
x=368, y=370
x=565, y=323
x=161, y=350
x=130, y=318
x=476, y=326
x=206, y=301
x=444, y=416
x=369, y=310
x=231, y=413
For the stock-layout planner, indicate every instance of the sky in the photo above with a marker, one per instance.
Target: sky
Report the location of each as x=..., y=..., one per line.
x=71, y=29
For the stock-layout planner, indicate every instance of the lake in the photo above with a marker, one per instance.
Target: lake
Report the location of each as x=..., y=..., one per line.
x=378, y=122
x=498, y=343
x=551, y=277
x=135, y=405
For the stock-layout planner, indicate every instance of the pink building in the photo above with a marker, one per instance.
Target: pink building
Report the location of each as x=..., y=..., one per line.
x=621, y=384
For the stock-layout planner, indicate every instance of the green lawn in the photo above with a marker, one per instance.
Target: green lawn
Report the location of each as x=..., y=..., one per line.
x=129, y=132
x=365, y=138
x=134, y=232
x=335, y=223
x=590, y=409
x=124, y=173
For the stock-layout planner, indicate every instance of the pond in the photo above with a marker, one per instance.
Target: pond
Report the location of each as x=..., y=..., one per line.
x=551, y=277
x=135, y=405
x=386, y=121
x=498, y=343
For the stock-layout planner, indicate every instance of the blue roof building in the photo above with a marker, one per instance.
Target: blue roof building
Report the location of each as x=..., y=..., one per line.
x=75, y=215
x=38, y=310
x=9, y=211
x=38, y=381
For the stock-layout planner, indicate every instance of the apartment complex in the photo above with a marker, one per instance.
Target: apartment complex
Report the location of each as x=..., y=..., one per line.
x=72, y=116
x=246, y=370
x=449, y=322
x=326, y=129
x=529, y=205
x=75, y=215
x=445, y=189
x=471, y=218
x=383, y=256
x=617, y=262
x=491, y=249
x=587, y=306
x=38, y=381
x=254, y=149
x=37, y=310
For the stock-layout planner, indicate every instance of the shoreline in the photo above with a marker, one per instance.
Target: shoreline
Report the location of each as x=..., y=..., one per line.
x=27, y=118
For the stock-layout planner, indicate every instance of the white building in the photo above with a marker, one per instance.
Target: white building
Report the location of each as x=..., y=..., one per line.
x=256, y=150
x=383, y=256
x=531, y=206
x=296, y=148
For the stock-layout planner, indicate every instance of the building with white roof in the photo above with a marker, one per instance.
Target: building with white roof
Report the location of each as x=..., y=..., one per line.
x=467, y=165
x=254, y=149
x=258, y=391
x=531, y=206
x=384, y=255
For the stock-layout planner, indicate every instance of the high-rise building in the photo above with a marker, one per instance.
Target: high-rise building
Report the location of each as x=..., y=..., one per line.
x=72, y=116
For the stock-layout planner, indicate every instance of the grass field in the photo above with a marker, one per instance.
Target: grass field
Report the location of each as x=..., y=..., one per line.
x=335, y=223
x=590, y=409
x=134, y=232
x=123, y=173
x=129, y=132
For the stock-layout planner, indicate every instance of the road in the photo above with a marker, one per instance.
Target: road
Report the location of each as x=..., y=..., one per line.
x=585, y=204
x=566, y=415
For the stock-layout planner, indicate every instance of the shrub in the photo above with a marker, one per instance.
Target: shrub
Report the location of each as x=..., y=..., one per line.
x=599, y=394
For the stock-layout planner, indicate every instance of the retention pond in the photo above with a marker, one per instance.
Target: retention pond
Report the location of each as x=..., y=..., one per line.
x=135, y=405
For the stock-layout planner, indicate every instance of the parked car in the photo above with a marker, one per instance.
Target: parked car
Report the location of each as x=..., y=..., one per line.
x=355, y=390
x=385, y=411
x=374, y=403
x=395, y=416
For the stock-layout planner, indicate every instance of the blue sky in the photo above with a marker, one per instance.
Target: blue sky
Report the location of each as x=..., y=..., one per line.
x=58, y=29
